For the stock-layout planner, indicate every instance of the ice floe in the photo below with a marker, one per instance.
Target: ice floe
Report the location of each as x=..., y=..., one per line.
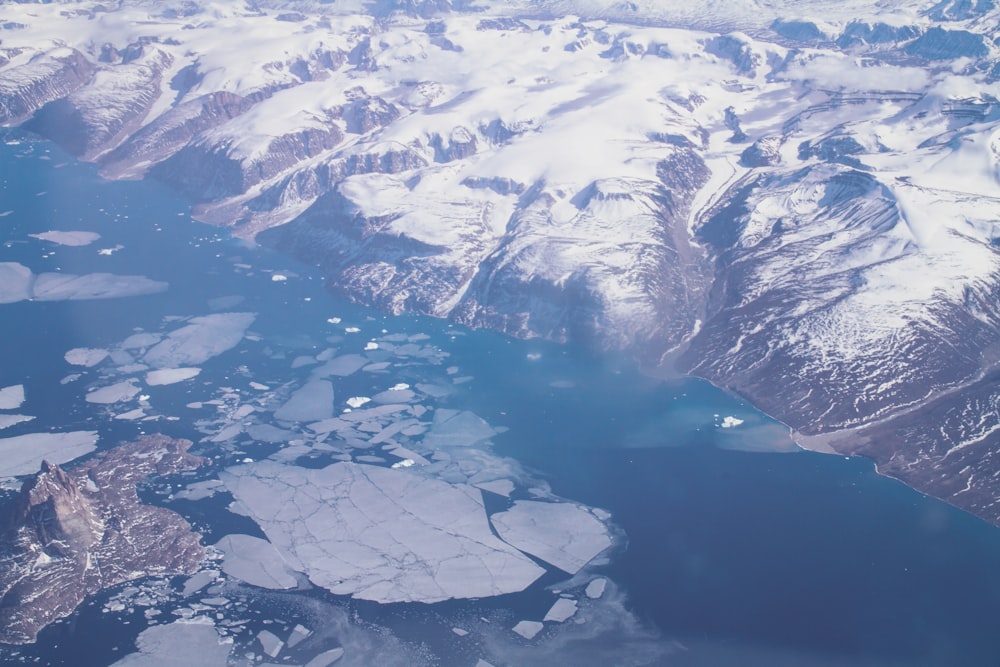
x=85, y=356
x=270, y=642
x=11, y=397
x=23, y=454
x=116, y=393
x=595, y=589
x=170, y=376
x=565, y=535
x=454, y=428
x=67, y=238
x=380, y=534
x=201, y=339
x=311, y=402
x=192, y=644
x=68, y=287
x=731, y=422
x=528, y=629
x=6, y=421
x=255, y=561
x=563, y=610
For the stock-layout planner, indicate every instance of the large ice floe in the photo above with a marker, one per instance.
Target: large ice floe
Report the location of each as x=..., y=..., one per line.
x=201, y=339
x=192, y=644
x=562, y=534
x=18, y=283
x=23, y=454
x=380, y=534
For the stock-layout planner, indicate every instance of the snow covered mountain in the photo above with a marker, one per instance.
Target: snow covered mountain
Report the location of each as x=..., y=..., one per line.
x=798, y=201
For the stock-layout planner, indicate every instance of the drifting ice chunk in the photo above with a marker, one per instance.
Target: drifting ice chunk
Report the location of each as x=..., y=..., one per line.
x=192, y=644
x=380, y=534
x=23, y=454
x=11, y=397
x=170, y=376
x=256, y=562
x=203, y=338
x=460, y=632
x=311, y=402
x=528, y=629
x=562, y=534
x=67, y=238
x=116, y=393
x=595, y=588
x=562, y=610
x=731, y=422
x=452, y=428
x=85, y=356
x=357, y=401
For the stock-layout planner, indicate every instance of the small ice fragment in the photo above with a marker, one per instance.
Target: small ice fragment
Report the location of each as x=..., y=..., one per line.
x=595, y=588
x=562, y=610
x=334, y=320
x=533, y=356
x=460, y=632
x=402, y=386
x=258, y=386
x=11, y=397
x=85, y=356
x=352, y=330
x=528, y=629
x=731, y=422
x=371, y=345
x=270, y=642
x=109, y=251
x=357, y=401
x=278, y=278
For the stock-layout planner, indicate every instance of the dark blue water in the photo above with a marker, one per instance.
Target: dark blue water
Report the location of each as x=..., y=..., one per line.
x=745, y=558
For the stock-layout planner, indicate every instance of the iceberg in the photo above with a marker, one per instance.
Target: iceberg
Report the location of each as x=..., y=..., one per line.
x=380, y=534
x=565, y=535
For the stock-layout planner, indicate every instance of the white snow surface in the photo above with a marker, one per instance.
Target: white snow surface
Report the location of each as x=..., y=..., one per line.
x=380, y=534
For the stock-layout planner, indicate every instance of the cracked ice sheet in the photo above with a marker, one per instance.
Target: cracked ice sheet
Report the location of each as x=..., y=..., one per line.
x=23, y=454
x=192, y=644
x=200, y=340
x=561, y=534
x=380, y=534
x=255, y=561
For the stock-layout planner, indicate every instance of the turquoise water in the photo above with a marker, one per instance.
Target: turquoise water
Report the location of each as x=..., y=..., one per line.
x=742, y=557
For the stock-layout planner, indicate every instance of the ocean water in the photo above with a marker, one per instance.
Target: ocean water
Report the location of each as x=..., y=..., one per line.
x=739, y=550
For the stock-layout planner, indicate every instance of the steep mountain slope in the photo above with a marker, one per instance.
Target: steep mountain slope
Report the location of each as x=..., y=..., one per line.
x=798, y=201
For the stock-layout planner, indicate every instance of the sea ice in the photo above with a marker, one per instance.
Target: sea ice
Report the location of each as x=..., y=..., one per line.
x=453, y=428
x=170, y=375
x=565, y=535
x=731, y=422
x=313, y=401
x=256, y=562
x=562, y=610
x=501, y=487
x=23, y=454
x=357, y=401
x=528, y=629
x=200, y=340
x=85, y=356
x=342, y=366
x=140, y=341
x=299, y=633
x=116, y=393
x=68, y=238
x=380, y=534
x=192, y=644
x=11, y=397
